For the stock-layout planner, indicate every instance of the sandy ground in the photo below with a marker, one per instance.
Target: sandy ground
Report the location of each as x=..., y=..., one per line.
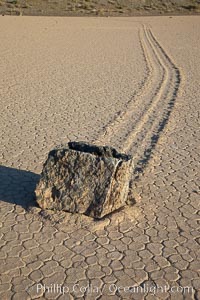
x=98, y=8
x=128, y=82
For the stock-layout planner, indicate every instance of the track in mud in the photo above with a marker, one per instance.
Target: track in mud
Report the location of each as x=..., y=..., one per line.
x=138, y=127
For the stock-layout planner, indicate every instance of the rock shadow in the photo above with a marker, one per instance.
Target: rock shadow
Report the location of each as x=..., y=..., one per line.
x=18, y=186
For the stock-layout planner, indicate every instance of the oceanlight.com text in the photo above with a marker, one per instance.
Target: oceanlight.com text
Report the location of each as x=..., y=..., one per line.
x=112, y=289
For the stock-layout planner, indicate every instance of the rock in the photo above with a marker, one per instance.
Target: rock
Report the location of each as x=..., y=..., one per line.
x=86, y=179
x=11, y=1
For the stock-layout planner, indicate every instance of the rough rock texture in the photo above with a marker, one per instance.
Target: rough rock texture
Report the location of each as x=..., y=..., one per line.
x=87, y=179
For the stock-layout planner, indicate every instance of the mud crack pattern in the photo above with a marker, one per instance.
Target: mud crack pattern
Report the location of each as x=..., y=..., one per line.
x=154, y=242
x=139, y=126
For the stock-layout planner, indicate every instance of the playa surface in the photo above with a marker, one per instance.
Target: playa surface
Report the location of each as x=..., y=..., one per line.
x=131, y=83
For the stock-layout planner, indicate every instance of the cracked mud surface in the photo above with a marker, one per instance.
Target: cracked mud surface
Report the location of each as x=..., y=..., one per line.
x=132, y=83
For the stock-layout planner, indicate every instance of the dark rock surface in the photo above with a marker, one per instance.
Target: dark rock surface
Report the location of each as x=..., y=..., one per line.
x=86, y=179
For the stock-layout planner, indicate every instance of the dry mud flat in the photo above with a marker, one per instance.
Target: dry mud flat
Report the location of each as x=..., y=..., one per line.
x=128, y=82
